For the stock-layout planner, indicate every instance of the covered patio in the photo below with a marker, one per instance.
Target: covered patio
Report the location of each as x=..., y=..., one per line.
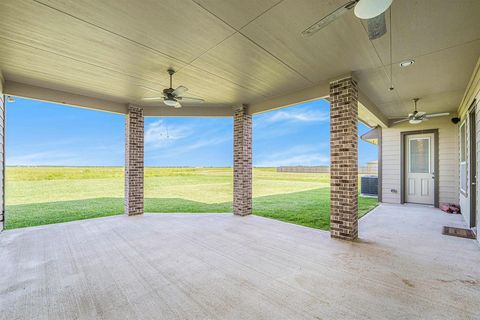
x=219, y=266
x=243, y=58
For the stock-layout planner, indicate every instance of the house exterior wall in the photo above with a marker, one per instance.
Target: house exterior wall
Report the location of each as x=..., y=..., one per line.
x=448, y=159
x=472, y=94
x=477, y=118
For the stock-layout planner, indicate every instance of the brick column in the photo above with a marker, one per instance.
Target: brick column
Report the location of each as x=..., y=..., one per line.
x=242, y=162
x=134, y=161
x=344, y=159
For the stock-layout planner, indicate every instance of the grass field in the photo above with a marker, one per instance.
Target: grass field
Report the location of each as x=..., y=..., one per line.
x=44, y=195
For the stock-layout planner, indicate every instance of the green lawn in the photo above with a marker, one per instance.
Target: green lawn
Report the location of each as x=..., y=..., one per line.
x=44, y=195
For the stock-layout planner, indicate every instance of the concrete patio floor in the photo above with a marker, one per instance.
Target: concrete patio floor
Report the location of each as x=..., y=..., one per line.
x=218, y=266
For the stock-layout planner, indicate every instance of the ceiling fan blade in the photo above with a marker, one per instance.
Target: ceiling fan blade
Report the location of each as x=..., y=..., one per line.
x=322, y=23
x=153, y=99
x=179, y=91
x=401, y=120
x=376, y=27
x=440, y=114
x=177, y=105
x=190, y=99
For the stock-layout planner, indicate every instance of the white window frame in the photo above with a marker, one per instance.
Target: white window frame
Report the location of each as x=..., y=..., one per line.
x=463, y=158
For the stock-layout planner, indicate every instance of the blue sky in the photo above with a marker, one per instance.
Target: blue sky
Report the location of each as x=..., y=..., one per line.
x=40, y=133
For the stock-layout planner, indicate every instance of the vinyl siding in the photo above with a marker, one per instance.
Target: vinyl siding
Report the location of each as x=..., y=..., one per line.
x=448, y=159
x=465, y=198
x=472, y=92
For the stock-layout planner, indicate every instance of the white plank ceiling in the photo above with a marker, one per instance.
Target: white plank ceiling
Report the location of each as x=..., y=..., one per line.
x=231, y=52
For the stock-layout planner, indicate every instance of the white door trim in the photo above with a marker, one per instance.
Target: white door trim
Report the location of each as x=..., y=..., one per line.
x=420, y=187
x=403, y=163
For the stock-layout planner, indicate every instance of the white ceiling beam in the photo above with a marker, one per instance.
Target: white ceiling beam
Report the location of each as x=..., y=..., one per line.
x=2, y=82
x=369, y=113
x=17, y=89
x=188, y=111
x=316, y=92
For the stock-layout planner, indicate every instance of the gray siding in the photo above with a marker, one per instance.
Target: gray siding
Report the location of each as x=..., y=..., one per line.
x=465, y=198
x=448, y=159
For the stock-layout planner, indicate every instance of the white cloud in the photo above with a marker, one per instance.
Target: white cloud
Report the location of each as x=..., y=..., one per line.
x=205, y=140
x=184, y=144
x=298, y=116
x=158, y=135
x=49, y=158
x=300, y=155
x=307, y=159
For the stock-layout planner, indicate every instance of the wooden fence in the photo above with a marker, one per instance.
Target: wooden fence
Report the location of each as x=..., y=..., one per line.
x=371, y=168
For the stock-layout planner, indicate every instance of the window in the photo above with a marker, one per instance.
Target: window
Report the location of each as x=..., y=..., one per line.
x=463, y=158
x=420, y=155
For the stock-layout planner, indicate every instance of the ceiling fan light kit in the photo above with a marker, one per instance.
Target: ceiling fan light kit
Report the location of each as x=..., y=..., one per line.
x=170, y=103
x=415, y=121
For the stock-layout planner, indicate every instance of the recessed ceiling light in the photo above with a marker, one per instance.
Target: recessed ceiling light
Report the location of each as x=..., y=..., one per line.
x=407, y=63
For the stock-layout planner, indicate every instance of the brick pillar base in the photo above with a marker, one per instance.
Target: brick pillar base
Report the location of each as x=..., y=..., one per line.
x=242, y=162
x=344, y=159
x=134, y=154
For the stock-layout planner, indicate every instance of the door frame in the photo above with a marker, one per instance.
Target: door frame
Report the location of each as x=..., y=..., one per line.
x=472, y=165
x=403, y=138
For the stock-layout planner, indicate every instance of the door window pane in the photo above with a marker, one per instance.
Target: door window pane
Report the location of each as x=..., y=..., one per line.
x=420, y=155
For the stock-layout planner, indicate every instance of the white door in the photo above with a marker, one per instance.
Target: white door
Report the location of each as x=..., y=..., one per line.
x=419, y=179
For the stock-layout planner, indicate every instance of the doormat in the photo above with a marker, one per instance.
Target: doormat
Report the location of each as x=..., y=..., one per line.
x=458, y=232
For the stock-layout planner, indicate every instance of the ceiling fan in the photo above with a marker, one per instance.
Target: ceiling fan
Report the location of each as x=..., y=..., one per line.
x=419, y=116
x=371, y=10
x=172, y=97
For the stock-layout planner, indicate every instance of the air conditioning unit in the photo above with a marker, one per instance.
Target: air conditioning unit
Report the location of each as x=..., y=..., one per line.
x=369, y=185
